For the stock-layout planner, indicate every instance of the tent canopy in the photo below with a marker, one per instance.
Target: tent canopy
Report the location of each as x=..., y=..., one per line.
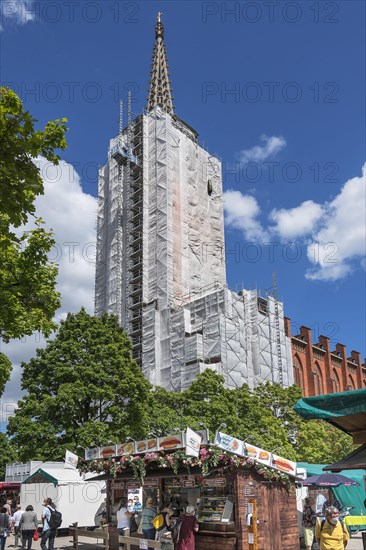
x=354, y=460
x=345, y=410
x=56, y=476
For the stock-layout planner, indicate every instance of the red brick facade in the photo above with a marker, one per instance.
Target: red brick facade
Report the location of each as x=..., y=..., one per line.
x=318, y=369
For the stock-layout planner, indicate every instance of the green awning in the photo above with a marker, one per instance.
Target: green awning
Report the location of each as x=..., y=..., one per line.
x=345, y=410
x=40, y=476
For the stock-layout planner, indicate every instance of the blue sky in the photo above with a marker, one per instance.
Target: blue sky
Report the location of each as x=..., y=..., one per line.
x=276, y=89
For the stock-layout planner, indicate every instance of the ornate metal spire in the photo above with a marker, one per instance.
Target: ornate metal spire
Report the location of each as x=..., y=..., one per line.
x=160, y=90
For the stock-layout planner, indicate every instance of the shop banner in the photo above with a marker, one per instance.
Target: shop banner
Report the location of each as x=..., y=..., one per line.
x=193, y=443
x=92, y=453
x=147, y=446
x=260, y=455
x=71, y=460
x=171, y=442
x=124, y=449
x=108, y=451
x=284, y=465
x=228, y=443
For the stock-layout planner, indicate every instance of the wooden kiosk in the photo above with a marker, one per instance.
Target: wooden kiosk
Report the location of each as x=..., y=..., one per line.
x=238, y=507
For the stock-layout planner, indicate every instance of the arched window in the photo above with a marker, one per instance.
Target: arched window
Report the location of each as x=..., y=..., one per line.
x=351, y=384
x=298, y=373
x=336, y=387
x=318, y=380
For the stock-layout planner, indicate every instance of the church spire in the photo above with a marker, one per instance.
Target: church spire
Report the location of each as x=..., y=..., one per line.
x=159, y=89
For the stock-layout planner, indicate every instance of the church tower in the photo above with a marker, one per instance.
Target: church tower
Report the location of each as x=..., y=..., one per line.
x=160, y=251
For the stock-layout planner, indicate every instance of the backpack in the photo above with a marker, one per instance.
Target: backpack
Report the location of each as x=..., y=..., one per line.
x=158, y=522
x=133, y=525
x=341, y=522
x=56, y=518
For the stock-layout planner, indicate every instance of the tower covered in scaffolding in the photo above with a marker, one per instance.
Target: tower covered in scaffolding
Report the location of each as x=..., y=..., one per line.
x=161, y=255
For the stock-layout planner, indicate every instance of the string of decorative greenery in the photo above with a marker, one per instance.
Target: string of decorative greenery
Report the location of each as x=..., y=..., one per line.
x=209, y=457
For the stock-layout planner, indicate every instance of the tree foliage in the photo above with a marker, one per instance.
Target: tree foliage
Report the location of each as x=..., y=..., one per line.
x=83, y=388
x=20, y=143
x=27, y=279
x=7, y=455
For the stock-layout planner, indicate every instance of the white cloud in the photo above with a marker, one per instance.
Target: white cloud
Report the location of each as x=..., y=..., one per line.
x=241, y=212
x=259, y=153
x=340, y=242
x=334, y=232
x=18, y=12
x=71, y=214
x=296, y=222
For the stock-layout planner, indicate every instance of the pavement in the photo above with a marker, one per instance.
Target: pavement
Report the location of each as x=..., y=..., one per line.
x=65, y=543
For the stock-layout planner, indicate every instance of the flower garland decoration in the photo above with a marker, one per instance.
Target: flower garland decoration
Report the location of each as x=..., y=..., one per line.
x=209, y=457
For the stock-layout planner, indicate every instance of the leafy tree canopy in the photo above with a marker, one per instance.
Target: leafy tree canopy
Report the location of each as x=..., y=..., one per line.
x=7, y=455
x=83, y=388
x=27, y=279
x=20, y=143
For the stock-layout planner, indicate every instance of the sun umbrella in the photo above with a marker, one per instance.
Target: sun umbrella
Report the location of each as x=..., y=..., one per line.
x=328, y=480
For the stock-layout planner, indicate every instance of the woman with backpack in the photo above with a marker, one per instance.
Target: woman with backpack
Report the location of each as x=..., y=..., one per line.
x=28, y=524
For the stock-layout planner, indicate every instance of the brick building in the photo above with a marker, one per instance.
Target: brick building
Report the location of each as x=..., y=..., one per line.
x=318, y=369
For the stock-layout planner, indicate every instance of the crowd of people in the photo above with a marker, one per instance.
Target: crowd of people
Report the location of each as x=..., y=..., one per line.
x=165, y=525
x=24, y=525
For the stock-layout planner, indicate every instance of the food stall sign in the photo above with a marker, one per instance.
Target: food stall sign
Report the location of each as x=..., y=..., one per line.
x=133, y=485
x=174, y=482
x=117, y=484
x=284, y=465
x=189, y=482
x=229, y=443
x=215, y=482
x=151, y=482
x=147, y=446
x=107, y=451
x=193, y=442
x=92, y=453
x=124, y=449
x=171, y=442
x=260, y=455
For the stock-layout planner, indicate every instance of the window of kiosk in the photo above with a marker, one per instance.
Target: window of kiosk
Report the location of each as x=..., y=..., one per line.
x=216, y=504
x=178, y=493
x=151, y=488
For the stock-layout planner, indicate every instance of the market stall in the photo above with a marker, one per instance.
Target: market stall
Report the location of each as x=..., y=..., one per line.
x=241, y=504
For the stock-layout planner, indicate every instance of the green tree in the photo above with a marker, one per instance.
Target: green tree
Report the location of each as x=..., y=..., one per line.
x=83, y=388
x=27, y=279
x=319, y=442
x=7, y=455
x=5, y=370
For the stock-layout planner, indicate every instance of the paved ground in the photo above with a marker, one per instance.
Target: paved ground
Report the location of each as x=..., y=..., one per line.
x=65, y=543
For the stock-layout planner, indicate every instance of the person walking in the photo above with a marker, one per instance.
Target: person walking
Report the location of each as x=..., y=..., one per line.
x=188, y=528
x=331, y=533
x=16, y=519
x=308, y=522
x=27, y=525
x=148, y=514
x=48, y=534
x=4, y=526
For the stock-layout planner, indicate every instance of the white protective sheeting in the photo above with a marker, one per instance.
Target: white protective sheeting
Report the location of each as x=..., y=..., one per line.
x=184, y=319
